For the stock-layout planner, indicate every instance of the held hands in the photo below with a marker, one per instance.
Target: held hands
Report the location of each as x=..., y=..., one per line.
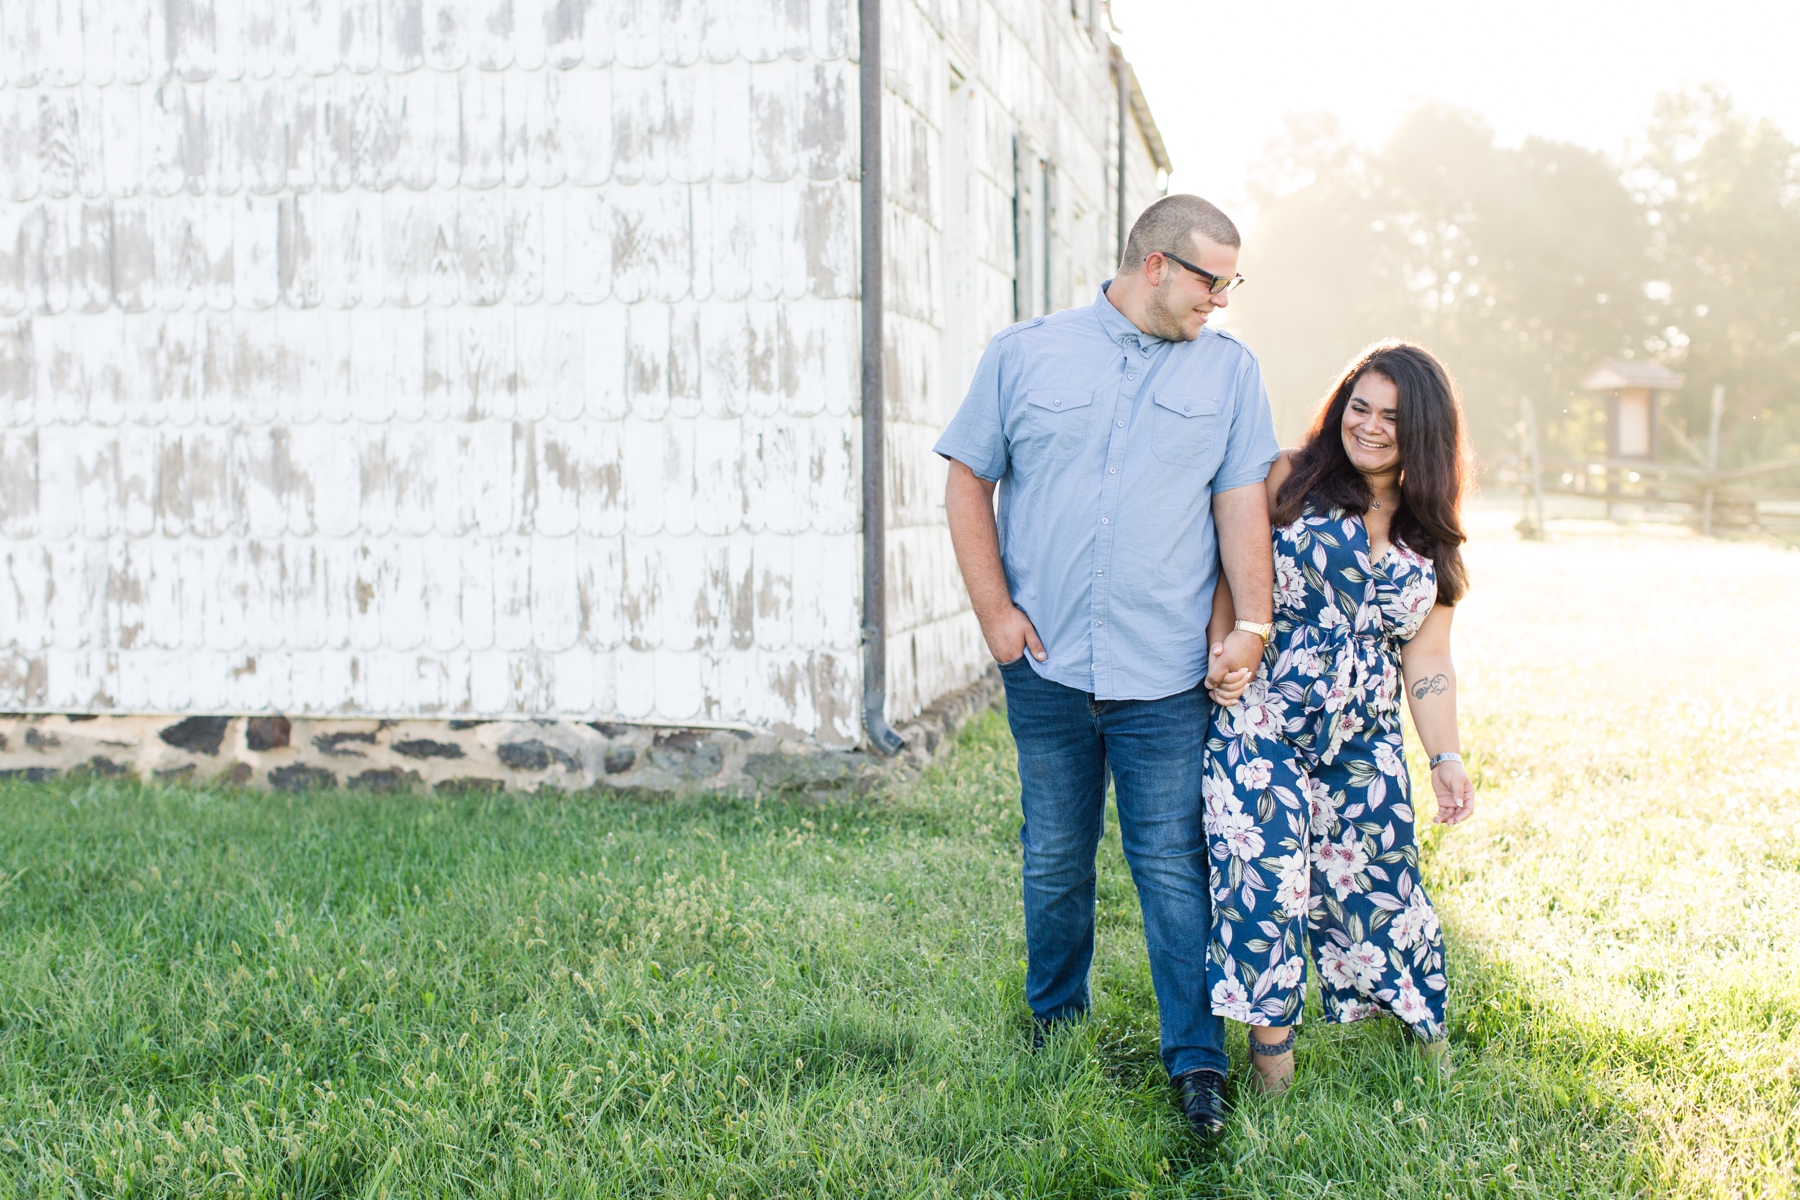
x=1225, y=687
x=1455, y=793
x=1010, y=634
x=1232, y=666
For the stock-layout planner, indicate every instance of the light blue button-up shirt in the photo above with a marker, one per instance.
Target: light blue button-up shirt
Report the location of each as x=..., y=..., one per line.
x=1108, y=445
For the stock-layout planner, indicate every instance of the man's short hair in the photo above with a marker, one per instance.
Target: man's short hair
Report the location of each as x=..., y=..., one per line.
x=1168, y=225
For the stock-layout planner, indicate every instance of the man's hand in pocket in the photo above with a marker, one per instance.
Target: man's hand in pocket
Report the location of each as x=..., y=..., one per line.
x=1010, y=634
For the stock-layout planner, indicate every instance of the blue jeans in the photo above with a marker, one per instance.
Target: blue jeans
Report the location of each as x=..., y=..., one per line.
x=1156, y=752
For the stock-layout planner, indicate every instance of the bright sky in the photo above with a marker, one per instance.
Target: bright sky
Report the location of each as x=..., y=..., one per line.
x=1220, y=76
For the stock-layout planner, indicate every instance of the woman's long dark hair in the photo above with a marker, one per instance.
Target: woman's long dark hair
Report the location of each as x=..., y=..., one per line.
x=1432, y=453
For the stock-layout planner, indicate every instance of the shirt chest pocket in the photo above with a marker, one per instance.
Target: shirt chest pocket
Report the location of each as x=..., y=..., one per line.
x=1185, y=431
x=1052, y=425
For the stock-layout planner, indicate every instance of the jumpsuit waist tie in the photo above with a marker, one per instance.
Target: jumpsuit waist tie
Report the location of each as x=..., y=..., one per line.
x=1357, y=672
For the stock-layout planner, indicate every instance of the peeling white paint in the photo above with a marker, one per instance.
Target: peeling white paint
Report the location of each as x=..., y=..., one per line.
x=482, y=358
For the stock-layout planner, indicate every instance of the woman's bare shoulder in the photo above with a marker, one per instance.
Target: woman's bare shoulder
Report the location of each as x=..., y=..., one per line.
x=1282, y=467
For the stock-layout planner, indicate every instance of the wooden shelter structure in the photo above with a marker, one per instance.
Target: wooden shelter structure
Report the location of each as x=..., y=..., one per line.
x=1633, y=402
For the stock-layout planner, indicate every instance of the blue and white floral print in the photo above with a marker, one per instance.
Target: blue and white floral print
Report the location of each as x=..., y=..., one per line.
x=1309, y=815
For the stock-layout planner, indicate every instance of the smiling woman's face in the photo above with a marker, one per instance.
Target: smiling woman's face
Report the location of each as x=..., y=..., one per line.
x=1372, y=424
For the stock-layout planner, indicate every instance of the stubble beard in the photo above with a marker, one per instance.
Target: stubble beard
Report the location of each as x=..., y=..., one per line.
x=1164, y=321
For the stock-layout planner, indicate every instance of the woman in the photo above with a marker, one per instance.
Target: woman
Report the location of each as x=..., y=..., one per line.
x=1308, y=809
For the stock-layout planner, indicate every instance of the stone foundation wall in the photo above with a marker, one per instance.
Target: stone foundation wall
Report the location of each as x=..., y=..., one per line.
x=414, y=756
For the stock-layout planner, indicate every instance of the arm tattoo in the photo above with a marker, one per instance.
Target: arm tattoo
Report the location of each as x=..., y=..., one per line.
x=1437, y=685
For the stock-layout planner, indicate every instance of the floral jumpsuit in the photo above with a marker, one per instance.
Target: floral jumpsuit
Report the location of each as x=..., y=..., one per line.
x=1309, y=818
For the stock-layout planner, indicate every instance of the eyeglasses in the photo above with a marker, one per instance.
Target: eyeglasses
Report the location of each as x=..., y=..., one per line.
x=1214, y=283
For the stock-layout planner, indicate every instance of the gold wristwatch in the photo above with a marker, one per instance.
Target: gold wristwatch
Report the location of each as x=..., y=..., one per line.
x=1265, y=632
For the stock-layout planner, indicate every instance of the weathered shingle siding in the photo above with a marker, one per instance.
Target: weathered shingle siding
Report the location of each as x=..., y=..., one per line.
x=468, y=357
x=487, y=357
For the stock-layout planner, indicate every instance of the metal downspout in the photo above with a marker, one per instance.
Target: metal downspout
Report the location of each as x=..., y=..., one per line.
x=874, y=459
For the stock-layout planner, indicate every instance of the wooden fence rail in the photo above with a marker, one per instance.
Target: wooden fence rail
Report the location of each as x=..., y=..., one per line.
x=1709, y=498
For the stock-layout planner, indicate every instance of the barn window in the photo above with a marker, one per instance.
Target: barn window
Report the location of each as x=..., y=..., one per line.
x=1033, y=239
x=1047, y=296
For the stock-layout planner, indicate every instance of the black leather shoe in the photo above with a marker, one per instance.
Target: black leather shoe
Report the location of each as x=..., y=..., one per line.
x=1201, y=1097
x=1041, y=1029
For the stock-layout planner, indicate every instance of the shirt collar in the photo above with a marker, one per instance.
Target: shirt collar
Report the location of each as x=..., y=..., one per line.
x=1118, y=328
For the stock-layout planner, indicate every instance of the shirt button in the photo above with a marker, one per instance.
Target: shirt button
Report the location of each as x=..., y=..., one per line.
x=1112, y=470
x=1104, y=521
x=1057, y=403
x=1121, y=424
x=1184, y=408
x=1131, y=377
x=1098, y=624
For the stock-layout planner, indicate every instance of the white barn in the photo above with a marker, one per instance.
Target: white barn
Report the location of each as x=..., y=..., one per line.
x=481, y=360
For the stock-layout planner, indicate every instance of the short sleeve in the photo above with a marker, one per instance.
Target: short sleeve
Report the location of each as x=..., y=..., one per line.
x=976, y=437
x=1251, y=445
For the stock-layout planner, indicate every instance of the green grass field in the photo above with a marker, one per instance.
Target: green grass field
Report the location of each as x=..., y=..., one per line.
x=213, y=992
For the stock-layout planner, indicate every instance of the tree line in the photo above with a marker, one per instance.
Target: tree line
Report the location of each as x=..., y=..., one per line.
x=1524, y=266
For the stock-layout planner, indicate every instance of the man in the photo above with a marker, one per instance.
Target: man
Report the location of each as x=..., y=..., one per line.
x=1121, y=436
